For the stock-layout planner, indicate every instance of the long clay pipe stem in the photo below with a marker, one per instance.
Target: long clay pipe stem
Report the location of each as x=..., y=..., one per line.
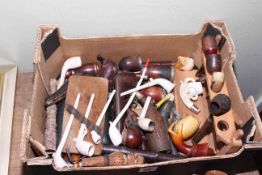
x=114, y=133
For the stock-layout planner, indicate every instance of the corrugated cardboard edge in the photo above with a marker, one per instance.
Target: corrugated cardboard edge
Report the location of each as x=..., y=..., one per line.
x=25, y=136
x=42, y=32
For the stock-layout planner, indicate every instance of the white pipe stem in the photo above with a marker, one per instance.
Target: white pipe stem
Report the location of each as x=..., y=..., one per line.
x=100, y=118
x=58, y=160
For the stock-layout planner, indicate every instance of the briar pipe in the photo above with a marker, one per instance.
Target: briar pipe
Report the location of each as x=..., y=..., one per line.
x=84, y=147
x=165, y=112
x=148, y=155
x=156, y=93
x=167, y=85
x=108, y=70
x=132, y=137
x=131, y=63
x=91, y=69
x=157, y=140
x=70, y=63
x=191, y=151
x=113, y=159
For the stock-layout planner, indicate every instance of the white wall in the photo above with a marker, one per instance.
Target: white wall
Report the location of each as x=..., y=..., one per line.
x=20, y=18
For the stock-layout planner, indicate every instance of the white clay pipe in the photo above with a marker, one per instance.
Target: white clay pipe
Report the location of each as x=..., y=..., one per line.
x=70, y=63
x=59, y=162
x=114, y=133
x=189, y=90
x=167, y=85
x=95, y=136
x=84, y=147
x=146, y=123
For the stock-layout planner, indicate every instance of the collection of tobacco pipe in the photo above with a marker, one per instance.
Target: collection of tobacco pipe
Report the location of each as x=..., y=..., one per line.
x=142, y=116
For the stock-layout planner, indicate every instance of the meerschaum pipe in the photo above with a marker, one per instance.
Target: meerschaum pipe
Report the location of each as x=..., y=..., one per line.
x=145, y=123
x=189, y=90
x=70, y=63
x=84, y=147
x=194, y=150
x=95, y=136
x=184, y=63
x=218, y=79
x=190, y=126
x=167, y=85
x=59, y=162
x=114, y=133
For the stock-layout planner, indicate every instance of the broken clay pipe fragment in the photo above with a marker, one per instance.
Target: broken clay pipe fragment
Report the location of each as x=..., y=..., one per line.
x=184, y=63
x=91, y=69
x=156, y=93
x=189, y=90
x=70, y=63
x=217, y=81
x=191, y=151
x=220, y=104
x=131, y=63
x=167, y=85
x=113, y=159
x=144, y=123
x=213, y=63
x=148, y=155
x=157, y=140
x=132, y=138
x=190, y=126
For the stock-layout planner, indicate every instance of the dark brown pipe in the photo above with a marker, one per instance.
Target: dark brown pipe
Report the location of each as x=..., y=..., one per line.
x=161, y=71
x=108, y=70
x=220, y=104
x=148, y=155
x=157, y=140
x=213, y=63
x=91, y=69
x=206, y=129
x=165, y=111
x=131, y=63
x=156, y=93
x=132, y=138
x=209, y=45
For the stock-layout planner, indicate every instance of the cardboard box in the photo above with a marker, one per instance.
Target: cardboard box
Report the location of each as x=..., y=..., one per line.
x=52, y=50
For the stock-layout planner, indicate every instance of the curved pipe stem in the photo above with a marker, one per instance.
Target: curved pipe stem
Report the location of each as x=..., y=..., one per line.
x=194, y=150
